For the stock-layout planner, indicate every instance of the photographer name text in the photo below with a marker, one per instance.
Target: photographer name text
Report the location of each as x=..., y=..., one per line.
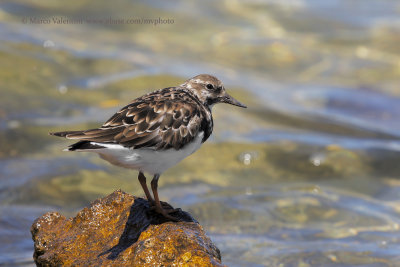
x=105, y=21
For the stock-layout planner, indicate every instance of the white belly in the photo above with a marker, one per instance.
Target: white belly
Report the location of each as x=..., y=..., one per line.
x=145, y=159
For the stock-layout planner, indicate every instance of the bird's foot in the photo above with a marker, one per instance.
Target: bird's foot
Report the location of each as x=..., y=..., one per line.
x=166, y=212
x=151, y=202
x=165, y=209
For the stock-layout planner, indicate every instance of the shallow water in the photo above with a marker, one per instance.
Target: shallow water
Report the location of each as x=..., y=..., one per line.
x=308, y=175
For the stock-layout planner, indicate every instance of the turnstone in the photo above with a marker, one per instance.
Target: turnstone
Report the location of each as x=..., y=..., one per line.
x=156, y=131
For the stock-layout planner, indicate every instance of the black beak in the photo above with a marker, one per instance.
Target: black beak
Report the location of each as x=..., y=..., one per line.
x=230, y=100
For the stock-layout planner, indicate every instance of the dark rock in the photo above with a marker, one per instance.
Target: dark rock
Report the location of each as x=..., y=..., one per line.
x=121, y=230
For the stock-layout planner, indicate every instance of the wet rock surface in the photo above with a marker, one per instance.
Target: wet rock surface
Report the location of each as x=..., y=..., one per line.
x=121, y=230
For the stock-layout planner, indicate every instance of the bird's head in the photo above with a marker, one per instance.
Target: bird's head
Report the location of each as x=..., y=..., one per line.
x=209, y=90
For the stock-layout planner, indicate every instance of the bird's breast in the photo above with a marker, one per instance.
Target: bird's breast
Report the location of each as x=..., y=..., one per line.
x=147, y=159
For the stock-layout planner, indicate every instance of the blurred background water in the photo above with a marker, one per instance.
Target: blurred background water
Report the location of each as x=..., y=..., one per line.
x=308, y=175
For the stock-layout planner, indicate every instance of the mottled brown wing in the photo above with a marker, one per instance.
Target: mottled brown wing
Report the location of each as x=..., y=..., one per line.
x=163, y=119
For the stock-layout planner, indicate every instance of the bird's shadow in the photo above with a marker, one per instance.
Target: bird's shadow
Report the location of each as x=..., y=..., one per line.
x=141, y=217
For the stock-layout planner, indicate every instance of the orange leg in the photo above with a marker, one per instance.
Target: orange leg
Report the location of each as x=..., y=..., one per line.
x=142, y=180
x=158, y=207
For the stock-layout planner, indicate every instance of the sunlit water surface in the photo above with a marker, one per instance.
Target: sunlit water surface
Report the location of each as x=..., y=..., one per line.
x=308, y=175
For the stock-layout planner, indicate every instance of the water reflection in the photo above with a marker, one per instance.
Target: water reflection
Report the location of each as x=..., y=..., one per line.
x=308, y=175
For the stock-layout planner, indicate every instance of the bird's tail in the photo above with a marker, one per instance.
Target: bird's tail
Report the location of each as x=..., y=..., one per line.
x=83, y=145
x=69, y=134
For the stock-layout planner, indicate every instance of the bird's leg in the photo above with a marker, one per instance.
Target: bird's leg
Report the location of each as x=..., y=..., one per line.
x=158, y=208
x=142, y=180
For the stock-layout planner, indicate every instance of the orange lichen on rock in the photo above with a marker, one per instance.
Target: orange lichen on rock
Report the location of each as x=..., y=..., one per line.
x=121, y=230
x=176, y=243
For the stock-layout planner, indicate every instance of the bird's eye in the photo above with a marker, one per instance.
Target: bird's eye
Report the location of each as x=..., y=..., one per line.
x=210, y=86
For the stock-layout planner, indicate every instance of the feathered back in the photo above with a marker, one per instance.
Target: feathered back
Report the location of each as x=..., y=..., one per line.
x=168, y=118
